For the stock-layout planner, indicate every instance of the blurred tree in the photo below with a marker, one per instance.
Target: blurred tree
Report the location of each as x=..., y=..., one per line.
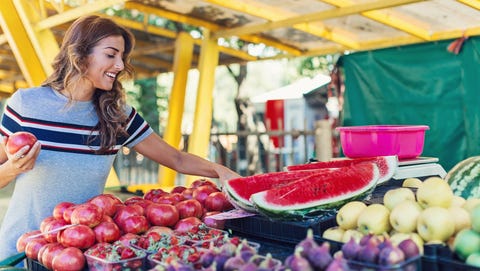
x=148, y=105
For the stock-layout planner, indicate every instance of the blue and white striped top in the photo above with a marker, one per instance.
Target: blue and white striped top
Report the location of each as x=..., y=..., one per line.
x=67, y=168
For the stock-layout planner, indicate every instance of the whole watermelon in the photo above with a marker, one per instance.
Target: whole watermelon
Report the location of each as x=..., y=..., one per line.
x=464, y=178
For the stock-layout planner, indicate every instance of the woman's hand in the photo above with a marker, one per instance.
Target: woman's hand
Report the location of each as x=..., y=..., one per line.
x=225, y=174
x=24, y=159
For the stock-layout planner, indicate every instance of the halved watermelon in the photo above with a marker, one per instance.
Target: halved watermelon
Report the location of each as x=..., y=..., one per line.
x=323, y=191
x=386, y=164
x=239, y=190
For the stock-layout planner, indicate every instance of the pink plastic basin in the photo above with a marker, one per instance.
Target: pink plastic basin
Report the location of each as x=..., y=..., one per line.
x=405, y=141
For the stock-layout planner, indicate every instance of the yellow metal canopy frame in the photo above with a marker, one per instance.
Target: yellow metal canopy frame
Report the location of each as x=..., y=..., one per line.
x=31, y=31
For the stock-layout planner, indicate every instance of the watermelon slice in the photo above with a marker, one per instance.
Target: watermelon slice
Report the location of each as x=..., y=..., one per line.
x=239, y=190
x=386, y=164
x=323, y=191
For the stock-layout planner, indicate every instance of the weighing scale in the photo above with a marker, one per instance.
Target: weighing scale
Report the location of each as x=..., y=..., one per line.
x=419, y=167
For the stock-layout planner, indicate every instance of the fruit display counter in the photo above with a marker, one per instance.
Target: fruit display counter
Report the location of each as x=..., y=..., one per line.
x=317, y=216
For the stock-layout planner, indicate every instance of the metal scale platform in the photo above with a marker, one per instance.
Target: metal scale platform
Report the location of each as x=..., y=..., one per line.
x=419, y=167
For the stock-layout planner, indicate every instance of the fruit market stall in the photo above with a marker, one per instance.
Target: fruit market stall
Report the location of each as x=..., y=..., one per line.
x=386, y=210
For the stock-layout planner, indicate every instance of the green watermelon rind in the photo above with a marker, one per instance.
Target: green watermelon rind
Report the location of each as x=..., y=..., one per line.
x=331, y=204
x=307, y=213
x=464, y=178
x=238, y=202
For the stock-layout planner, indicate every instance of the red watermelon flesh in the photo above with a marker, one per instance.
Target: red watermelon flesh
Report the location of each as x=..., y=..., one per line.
x=239, y=190
x=387, y=165
x=318, y=190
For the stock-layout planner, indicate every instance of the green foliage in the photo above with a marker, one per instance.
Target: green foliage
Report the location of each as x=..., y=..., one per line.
x=148, y=106
x=311, y=66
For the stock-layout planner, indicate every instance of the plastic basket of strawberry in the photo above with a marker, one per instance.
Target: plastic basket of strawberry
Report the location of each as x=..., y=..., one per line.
x=235, y=241
x=184, y=254
x=113, y=257
x=153, y=241
x=201, y=233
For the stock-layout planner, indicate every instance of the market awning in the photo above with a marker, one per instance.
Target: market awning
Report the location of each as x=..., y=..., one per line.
x=293, y=28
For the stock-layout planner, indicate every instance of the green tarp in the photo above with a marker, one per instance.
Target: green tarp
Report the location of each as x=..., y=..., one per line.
x=419, y=84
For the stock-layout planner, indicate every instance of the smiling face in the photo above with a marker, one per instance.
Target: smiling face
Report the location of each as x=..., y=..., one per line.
x=105, y=62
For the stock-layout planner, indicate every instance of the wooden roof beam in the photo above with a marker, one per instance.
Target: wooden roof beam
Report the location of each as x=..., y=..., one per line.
x=313, y=17
x=471, y=3
x=74, y=13
x=152, y=49
x=208, y=25
x=275, y=14
x=153, y=62
x=391, y=18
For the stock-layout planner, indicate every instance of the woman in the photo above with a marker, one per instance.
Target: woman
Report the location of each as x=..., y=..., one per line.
x=80, y=117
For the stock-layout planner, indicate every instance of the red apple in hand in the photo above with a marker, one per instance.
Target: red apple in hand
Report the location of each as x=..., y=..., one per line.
x=18, y=140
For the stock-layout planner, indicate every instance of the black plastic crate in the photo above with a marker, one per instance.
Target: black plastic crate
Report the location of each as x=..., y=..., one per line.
x=449, y=261
x=33, y=265
x=290, y=232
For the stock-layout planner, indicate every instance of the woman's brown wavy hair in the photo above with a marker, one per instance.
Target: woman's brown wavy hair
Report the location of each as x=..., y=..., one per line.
x=70, y=66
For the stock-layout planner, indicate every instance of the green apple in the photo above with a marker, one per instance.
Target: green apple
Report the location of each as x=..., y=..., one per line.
x=394, y=196
x=470, y=203
x=461, y=218
x=347, y=215
x=403, y=216
x=435, y=225
x=473, y=259
x=434, y=191
x=475, y=216
x=334, y=234
x=374, y=219
x=412, y=182
x=466, y=242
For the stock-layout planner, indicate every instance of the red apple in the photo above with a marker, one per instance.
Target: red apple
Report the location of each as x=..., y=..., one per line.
x=87, y=214
x=178, y=189
x=79, y=236
x=160, y=230
x=23, y=240
x=18, y=140
x=160, y=214
x=108, y=204
x=201, y=193
x=67, y=213
x=51, y=250
x=71, y=258
x=126, y=211
x=217, y=201
x=50, y=226
x=187, y=224
x=189, y=207
x=107, y=232
x=33, y=247
x=135, y=224
x=202, y=182
x=60, y=208
x=45, y=222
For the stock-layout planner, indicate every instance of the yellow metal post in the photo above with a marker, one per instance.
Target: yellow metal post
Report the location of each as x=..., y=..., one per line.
x=182, y=62
x=200, y=137
x=173, y=133
x=18, y=35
